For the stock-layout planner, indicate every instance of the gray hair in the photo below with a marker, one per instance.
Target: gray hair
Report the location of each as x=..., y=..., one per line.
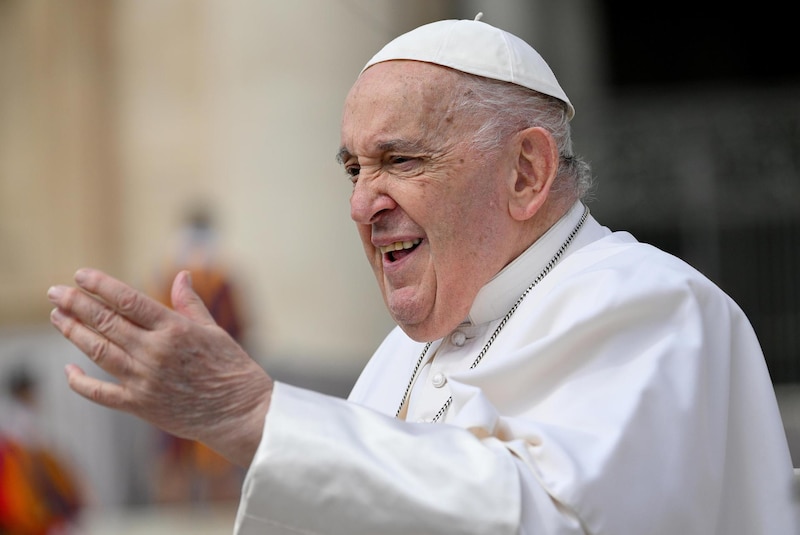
x=509, y=108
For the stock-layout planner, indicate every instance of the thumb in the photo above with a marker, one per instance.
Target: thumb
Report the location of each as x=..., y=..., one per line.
x=186, y=302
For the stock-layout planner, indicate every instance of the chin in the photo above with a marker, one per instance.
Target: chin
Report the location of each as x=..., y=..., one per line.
x=418, y=329
x=425, y=331
x=419, y=319
x=416, y=334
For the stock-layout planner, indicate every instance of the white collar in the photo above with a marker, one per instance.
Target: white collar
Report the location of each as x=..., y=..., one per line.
x=502, y=291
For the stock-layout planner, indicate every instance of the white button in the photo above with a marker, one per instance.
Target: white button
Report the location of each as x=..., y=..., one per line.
x=459, y=338
x=438, y=380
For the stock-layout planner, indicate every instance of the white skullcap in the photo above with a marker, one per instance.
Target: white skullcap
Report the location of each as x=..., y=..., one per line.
x=477, y=48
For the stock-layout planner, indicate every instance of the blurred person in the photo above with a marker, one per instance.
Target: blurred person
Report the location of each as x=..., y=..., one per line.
x=547, y=374
x=39, y=494
x=198, y=250
x=187, y=470
x=21, y=418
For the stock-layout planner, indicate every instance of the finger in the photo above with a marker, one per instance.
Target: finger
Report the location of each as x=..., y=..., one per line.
x=97, y=347
x=132, y=304
x=101, y=392
x=96, y=315
x=186, y=302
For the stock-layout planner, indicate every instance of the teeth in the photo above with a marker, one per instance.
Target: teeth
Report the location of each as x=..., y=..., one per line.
x=399, y=246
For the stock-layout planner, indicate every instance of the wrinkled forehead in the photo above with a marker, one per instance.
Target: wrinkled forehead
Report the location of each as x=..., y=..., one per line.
x=409, y=81
x=401, y=99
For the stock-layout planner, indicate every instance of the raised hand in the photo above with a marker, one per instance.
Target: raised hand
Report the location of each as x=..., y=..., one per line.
x=174, y=368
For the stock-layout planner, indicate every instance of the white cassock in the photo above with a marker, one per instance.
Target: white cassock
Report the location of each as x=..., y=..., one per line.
x=626, y=395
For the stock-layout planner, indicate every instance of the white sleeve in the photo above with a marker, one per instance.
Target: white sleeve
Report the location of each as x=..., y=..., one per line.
x=631, y=394
x=326, y=465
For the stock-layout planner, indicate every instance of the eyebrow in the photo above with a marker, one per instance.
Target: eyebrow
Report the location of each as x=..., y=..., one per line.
x=391, y=145
x=342, y=155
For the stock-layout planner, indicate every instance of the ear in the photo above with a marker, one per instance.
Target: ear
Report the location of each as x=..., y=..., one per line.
x=537, y=165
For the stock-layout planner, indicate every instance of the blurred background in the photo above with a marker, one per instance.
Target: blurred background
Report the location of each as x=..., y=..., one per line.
x=143, y=136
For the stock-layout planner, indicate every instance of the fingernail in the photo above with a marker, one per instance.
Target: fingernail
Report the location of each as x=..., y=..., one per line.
x=54, y=293
x=56, y=316
x=80, y=275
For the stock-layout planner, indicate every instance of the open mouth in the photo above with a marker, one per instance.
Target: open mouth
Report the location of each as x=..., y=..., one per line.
x=399, y=249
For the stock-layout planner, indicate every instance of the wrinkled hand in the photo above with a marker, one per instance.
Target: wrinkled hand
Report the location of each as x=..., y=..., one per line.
x=174, y=368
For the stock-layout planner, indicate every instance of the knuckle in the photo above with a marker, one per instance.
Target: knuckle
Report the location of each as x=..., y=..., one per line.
x=124, y=367
x=178, y=330
x=104, y=320
x=67, y=327
x=128, y=303
x=69, y=298
x=99, y=349
x=97, y=394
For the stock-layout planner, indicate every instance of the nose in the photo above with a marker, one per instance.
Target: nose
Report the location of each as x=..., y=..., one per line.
x=369, y=200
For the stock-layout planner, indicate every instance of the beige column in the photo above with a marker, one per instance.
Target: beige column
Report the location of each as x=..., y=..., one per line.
x=58, y=176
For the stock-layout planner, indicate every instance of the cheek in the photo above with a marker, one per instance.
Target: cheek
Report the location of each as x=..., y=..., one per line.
x=473, y=220
x=470, y=245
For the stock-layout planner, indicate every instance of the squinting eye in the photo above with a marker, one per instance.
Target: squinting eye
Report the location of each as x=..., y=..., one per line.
x=352, y=172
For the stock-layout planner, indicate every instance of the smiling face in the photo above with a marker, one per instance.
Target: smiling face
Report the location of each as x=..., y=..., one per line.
x=432, y=213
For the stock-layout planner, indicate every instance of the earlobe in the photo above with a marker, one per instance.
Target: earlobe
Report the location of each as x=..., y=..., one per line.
x=536, y=168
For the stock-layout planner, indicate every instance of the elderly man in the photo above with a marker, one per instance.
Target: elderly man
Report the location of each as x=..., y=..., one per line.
x=547, y=375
